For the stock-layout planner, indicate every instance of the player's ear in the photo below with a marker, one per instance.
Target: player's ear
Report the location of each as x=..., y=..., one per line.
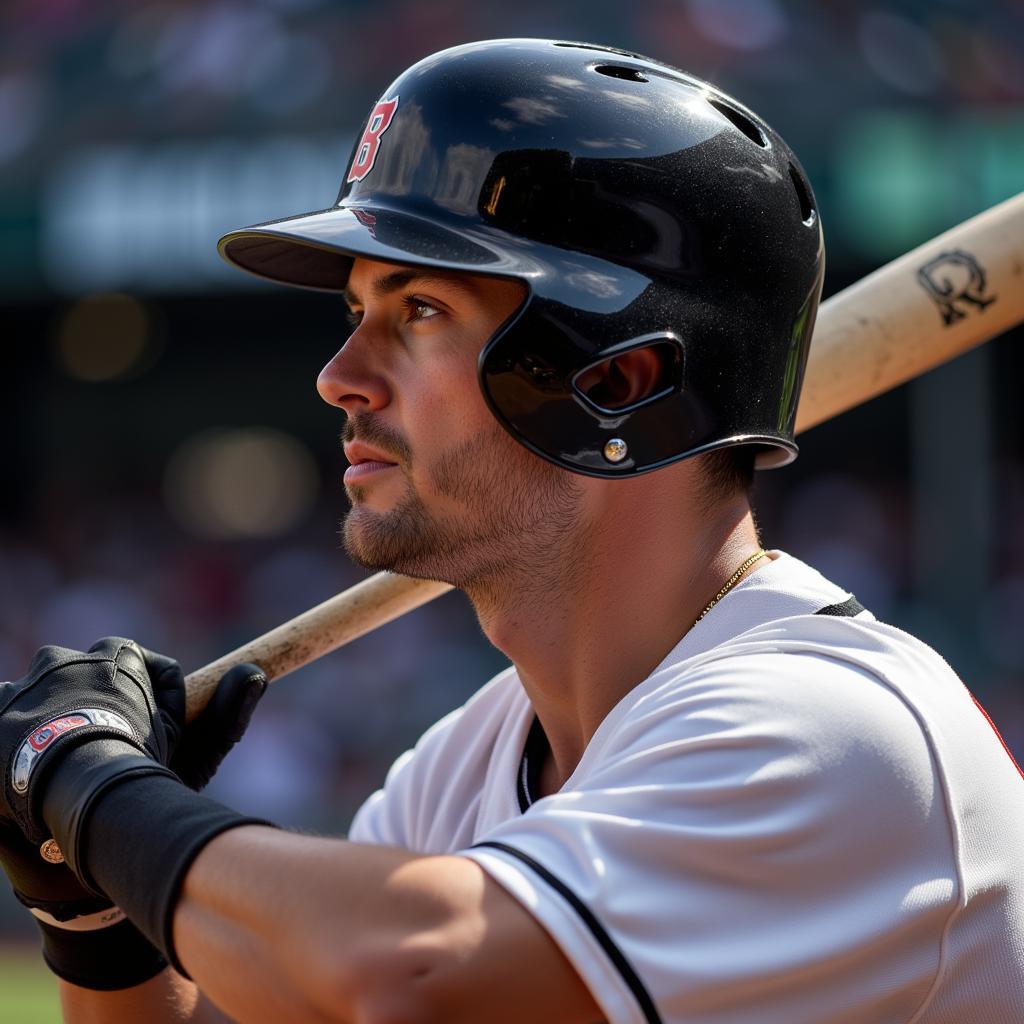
x=628, y=378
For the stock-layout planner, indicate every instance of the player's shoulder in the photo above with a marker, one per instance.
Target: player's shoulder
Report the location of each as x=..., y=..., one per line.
x=824, y=683
x=790, y=610
x=781, y=707
x=792, y=652
x=838, y=656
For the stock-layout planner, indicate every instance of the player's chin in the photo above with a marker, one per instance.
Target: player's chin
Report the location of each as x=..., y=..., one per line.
x=372, y=538
x=358, y=530
x=404, y=541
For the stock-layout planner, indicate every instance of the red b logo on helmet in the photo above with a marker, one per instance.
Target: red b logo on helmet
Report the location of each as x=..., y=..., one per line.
x=366, y=151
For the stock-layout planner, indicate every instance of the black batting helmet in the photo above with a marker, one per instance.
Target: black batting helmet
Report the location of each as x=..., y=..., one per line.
x=640, y=206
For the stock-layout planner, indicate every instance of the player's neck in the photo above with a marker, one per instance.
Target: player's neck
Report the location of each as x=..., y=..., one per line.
x=600, y=626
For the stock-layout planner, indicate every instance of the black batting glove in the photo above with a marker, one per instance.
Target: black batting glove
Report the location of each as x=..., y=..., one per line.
x=103, y=698
x=86, y=939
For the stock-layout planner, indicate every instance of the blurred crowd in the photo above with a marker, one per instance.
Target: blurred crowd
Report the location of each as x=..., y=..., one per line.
x=202, y=65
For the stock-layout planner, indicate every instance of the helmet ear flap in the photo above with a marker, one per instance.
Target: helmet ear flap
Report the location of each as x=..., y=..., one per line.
x=624, y=381
x=548, y=394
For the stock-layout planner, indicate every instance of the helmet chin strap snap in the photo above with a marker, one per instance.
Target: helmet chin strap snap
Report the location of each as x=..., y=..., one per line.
x=615, y=449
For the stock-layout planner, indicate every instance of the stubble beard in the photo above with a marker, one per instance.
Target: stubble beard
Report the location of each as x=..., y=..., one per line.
x=517, y=514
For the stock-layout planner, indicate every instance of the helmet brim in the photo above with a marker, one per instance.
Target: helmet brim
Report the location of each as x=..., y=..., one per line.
x=315, y=250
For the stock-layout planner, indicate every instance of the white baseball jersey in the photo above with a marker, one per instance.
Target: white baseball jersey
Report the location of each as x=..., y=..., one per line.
x=798, y=818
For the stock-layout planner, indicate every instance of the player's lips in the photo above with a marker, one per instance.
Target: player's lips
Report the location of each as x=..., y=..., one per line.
x=364, y=461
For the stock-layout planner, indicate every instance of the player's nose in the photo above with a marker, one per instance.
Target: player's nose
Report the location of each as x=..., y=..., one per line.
x=349, y=380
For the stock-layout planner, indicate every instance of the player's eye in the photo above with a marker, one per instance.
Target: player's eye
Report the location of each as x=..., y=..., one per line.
x=419, y=309
x=415, y=309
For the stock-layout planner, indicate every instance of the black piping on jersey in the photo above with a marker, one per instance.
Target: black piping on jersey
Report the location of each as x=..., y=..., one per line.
x=535, y=751
x=846, y=609
x=604, y=940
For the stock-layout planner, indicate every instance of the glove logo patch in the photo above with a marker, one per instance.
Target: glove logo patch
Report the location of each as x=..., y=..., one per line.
x=42, y=738
x=37, y=742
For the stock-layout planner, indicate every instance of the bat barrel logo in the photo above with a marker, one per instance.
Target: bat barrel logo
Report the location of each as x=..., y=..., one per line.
x=954, y=279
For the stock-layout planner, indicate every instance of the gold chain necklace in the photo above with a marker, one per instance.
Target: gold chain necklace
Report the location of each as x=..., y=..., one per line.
x=733, y=580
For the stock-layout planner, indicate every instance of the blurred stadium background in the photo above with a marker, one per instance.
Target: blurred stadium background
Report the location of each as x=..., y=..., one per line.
x=169, y=473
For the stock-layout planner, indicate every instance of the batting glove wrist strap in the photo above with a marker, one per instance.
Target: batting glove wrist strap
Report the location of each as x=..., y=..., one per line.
x=130, y=829
x=78, y=782
x=112, y=956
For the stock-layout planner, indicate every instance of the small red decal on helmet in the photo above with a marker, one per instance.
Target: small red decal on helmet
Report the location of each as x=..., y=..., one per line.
x=367, y=219
x=369, y=144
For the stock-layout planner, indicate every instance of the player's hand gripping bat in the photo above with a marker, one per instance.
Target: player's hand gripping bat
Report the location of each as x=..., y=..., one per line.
x=939, y=300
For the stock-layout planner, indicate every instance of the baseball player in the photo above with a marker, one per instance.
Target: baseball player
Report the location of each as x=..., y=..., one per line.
x=711, y=787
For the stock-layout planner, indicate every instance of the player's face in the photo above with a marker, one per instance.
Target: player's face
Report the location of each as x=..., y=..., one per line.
x=438, y=488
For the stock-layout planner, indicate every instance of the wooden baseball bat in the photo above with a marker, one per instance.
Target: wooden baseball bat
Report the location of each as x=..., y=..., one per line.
x=922, y=309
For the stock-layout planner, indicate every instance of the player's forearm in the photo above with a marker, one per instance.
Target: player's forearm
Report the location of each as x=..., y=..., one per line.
x=166, y=999
x=280, y=927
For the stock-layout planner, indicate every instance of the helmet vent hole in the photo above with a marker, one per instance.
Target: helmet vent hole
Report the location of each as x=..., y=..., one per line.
x=741, y=121
x=803, y=193
x=616, y=71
